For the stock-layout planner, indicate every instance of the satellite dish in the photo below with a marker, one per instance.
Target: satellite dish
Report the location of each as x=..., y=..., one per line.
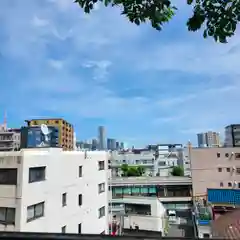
x=44, y=129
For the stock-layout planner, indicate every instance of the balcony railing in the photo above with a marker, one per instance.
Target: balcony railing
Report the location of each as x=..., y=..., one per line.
x=53, y=236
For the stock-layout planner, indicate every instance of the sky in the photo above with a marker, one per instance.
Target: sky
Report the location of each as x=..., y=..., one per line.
x=144, y=86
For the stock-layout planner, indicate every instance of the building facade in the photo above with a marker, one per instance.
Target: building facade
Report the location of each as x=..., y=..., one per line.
x=10, y=139
x=232, y=135
x=50, y=190
x=33, y=137
x=102, y=138
x=65, y=129
x=111, y=144
x=208, y=139
x=215, y=168
x=157, y=162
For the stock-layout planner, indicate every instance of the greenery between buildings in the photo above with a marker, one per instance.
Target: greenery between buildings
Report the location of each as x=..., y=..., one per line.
x=217, y=18
x=132, y=171
x=178, y=171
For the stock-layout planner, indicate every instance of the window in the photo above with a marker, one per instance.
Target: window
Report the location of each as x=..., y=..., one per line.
x=36, y=174
x=221, y=184
x=229, y=184
x=64, y=199
x=101, y=212
x=80, y=199
x=79, y=228
x=226, y=155
x=206, y=235
x=228, y=169
x=7, y=215
x=238, y=170
x=218, y=155
x=64, y=229
x=8, y=176
x=237, y=156
x=239, y=185
x=219, y=169
x=101, y=165
x=35, y=211
x=80, y=171
x=101, y=187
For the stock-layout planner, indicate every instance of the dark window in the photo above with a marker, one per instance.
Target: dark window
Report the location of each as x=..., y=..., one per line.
x=220, y=169
x=79, y=228
x=80, y=171
x=206, y=235
x=218, y=155
x=7, y=215
x=56, y=121
x=64, y=229
x=226, y=155
x=35, y=211
x=228, y=169
x=101, y=187
x=221, y=184
x=8, y=176
x=101, y=212
x=80, y=199
x=37, y=174
x=238, y=170
x=229, y=184
x=64, y=199
x=237, y=156
x=101, y=165
x=239, y=185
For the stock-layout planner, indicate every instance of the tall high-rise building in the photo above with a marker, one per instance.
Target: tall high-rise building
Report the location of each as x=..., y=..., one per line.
x=232, y=135
x=94, y=144
x=65, y=130
x=102, y=138
x=111, y=144
x=208, y=139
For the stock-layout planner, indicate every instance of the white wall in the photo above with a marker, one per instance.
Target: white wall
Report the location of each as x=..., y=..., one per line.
x=62, y=175
x=155, y=222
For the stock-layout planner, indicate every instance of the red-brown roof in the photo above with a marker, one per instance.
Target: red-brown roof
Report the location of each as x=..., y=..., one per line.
x=227, y=226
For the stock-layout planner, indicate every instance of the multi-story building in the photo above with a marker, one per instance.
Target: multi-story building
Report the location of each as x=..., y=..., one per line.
x=102, y=138
x=65, y=129
x=111, y=144
x=10, y=139
x=50, y=190
x=232, y=135
x=144, y=201
x=208, y=139
x=216, y=174
x=158, y=162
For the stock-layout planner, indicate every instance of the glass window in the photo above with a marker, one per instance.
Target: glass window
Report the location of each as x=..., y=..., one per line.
x=37, y=174
x=101, y=165
x=35, y=211
x=101, y=212
x=64, y=199
x=80, y=171
x=8, y=176
x=7, y=215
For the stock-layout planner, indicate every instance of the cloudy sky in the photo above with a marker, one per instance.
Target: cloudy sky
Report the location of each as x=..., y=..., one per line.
x=144, y=86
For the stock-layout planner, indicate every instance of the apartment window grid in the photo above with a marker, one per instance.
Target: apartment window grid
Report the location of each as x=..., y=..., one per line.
x=101, y=188
x=101, y=165
x=101, y=212
x=7, y=215
x=64, y=199
x=35, y=211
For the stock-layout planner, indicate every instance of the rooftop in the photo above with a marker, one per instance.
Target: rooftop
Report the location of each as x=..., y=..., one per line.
x=118, y=181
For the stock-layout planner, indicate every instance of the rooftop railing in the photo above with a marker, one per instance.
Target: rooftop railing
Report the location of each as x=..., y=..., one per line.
x=58, y=236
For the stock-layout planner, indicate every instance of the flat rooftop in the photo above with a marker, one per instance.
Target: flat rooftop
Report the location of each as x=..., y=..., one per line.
x=121, y=181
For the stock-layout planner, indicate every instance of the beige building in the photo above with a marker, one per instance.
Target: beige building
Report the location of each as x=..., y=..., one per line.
x=214, y=168
x=208, y=139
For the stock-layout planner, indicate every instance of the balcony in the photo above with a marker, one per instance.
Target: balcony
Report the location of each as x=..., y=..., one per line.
x=53, y=236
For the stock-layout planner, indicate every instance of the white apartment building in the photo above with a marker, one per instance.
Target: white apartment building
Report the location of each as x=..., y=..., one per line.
x=50, y=190
x=155, y=163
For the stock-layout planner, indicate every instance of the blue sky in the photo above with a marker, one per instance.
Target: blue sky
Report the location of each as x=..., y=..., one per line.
x=144, y=86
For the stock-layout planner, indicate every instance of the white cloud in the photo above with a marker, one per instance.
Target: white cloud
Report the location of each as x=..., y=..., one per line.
x=38, y=22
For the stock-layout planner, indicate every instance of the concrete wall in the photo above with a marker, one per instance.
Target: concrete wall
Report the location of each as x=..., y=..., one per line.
x=205, y=165
x=62, y=176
